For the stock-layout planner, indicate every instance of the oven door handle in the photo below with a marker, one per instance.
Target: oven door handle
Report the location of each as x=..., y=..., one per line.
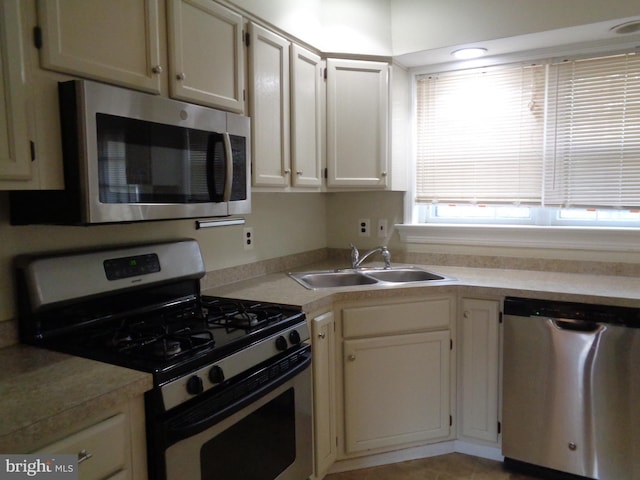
x=213, y=410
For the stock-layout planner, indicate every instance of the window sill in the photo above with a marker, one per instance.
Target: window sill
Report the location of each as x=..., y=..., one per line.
x=575, y=238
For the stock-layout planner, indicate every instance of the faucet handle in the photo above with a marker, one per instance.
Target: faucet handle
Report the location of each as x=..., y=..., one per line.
x=386, y=255
x=355, y=255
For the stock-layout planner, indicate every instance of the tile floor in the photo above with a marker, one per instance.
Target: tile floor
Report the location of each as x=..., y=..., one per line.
x=453, y=466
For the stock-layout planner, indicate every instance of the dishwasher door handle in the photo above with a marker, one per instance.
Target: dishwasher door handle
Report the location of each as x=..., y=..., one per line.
x=574, y=325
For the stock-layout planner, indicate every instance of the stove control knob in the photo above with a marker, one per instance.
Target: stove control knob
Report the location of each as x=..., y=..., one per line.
x=294, y=337
x=281, y=343
x=195, y=385
x=216, y=375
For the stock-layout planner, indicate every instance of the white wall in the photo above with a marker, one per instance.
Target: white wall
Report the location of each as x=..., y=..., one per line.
x=283, y=224
x=336, y=26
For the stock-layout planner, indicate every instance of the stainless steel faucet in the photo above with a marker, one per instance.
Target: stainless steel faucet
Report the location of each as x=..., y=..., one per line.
x=356, y=260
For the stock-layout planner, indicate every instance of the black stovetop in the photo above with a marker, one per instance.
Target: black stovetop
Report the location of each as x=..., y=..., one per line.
x=173, y=340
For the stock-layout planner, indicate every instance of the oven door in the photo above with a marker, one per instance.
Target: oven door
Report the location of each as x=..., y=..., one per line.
x=262, y=432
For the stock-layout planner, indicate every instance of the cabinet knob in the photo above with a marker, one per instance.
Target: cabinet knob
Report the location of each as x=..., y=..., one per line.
x=322, y=335
x=157, y=69
x=181, y=76
x=299, y=172
x=287, y=171
x=467, y=314
x=83, y=456
x=351, y=357
x=383, y=174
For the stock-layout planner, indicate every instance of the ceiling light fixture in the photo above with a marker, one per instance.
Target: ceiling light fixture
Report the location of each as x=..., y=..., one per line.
x=469, y=53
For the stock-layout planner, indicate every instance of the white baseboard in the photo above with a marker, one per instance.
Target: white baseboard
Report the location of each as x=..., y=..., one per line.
x=425, y=451
x=477, y=450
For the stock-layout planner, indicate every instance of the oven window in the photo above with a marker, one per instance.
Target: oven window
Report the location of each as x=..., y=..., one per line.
x=258, y=447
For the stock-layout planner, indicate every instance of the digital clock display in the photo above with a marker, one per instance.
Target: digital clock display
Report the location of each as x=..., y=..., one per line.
x=125, y=267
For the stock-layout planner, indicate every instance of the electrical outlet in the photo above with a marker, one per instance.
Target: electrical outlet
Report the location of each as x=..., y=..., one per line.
x=363, y=227
x=247, y=238
x=382, y=228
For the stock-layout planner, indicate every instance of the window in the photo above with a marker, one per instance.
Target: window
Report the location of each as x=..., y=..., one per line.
x=556, y=143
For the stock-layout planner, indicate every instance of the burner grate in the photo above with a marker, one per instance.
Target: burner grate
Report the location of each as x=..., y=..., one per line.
x=232, y=315
x=154, y=338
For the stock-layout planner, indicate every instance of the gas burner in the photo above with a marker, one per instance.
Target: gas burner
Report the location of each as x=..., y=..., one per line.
x=119, y=339
x=166, y=348
x=244, y=320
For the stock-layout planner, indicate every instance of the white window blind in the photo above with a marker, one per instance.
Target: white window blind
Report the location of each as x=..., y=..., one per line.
x=563, y=134
x=480, y=136
x=593, y=142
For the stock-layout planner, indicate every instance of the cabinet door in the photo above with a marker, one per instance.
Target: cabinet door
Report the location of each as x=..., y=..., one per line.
x=396, y=390
x=307, y=87
x=269, y=106
x=116, y=41
x=103, y=449
x=480, y=369
x=206, y=54
x=324, y=403
x=357, y=123
x=15, y=151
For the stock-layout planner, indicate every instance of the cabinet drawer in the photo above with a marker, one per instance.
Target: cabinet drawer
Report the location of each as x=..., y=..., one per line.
x=105, y=446
x=431, y=314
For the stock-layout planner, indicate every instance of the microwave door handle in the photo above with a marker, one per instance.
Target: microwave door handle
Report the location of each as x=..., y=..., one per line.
x=228, y=155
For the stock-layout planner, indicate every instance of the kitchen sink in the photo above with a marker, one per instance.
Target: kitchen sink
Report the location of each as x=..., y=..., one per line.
x=404, y=275
x=331, y=279
x=365, y=276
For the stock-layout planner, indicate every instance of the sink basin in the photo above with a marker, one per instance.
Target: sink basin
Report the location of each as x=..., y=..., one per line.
x=332, y=279
x=365, y=276
x=404, y=275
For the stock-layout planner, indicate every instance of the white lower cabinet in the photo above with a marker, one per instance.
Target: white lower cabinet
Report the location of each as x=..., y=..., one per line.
x=479, y=371
x=110, y=447
x=324, y=391
x=396, y=374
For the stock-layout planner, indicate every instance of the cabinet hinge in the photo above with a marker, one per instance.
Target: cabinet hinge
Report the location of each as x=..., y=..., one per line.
x=326, y=173
x=32, y=146
x=325, y=73
x=450, y=420
x=37, y=37
x=500, y=317
x=247, y=39
x=451, y=344
x=499, y=428
x=244, y=94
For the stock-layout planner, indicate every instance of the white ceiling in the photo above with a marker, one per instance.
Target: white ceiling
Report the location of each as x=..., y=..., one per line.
x=584, y=38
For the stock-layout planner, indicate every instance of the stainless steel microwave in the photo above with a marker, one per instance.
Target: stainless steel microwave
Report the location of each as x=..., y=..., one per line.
x=131, y=156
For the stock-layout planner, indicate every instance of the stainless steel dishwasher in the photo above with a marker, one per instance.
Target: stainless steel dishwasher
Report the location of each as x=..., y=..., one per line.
x=571, y=389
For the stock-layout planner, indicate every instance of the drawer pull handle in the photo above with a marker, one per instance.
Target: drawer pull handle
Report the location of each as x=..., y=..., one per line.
x=83, y=456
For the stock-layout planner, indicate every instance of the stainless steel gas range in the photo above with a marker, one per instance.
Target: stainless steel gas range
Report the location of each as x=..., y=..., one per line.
x=232, y=383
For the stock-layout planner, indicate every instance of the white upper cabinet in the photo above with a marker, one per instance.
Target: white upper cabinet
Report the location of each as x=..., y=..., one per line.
x=269, y=107
x=206, y=54
x=307, y=98
x=357, y=123
x=115, y=42
x=15, y=149
x=124, y=43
